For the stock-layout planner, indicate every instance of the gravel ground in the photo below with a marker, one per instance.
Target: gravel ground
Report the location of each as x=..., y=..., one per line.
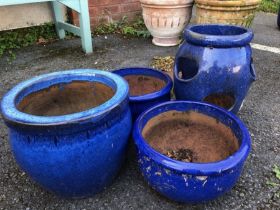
x=261, y=113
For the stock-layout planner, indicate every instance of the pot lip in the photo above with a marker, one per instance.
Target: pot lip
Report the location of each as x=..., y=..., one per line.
x=198, y=169
x=140, y=71
x=11, y=114
x=167, y=2
x=209, y=40
x=228, y=3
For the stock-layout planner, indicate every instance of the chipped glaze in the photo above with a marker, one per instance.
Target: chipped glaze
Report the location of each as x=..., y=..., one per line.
x=74, y=155
x=191, y=182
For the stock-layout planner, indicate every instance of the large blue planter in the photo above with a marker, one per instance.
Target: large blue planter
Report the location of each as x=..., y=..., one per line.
x=72, y=155
x=215, y=61
x=140, y=103
x=191, y=182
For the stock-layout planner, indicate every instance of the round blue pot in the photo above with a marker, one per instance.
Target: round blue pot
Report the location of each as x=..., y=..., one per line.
x=278, y=17
x=191, y=182
x=140, y=103
x=74, y=155
x=214, y=60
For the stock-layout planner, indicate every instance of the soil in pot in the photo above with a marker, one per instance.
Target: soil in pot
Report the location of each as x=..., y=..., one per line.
x=221, y=99
x=142, y=84
x=66, y=98
x=190, y=137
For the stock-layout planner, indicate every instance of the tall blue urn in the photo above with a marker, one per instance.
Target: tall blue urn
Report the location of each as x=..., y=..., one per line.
x=77, y=149
x=214, y=64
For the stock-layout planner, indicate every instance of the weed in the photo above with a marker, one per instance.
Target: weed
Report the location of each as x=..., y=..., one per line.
x=276, y=171
x=18, y=38
x=135, y=28
x=273, y=184
x=269, y=6
x=14, y=39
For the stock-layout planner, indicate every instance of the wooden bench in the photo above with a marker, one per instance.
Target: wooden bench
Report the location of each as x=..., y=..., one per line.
x=80, y=6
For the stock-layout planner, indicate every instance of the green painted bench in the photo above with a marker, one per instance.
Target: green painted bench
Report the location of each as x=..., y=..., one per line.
x=80, y=6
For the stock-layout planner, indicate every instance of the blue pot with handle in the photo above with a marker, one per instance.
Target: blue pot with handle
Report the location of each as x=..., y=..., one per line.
x=214, y=64
x=66, y=129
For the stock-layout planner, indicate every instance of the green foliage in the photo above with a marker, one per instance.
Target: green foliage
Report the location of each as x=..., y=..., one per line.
x=14, y=39
x=269, y=6
x=136, y=28
x=276, y=171
x=18, y=38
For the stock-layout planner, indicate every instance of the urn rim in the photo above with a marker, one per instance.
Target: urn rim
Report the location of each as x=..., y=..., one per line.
x=11, y=113
x=149, y=72
x=218, y=35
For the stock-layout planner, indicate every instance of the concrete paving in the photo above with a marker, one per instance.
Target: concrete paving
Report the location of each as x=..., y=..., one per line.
x=261, y=113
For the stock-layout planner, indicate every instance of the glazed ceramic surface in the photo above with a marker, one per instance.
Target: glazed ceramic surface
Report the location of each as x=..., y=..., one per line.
x=74, y=155
x=278, y=18
x=191, y=182
x=166, y=19
x=138, y=104
x=214, y=59
x=235, y=12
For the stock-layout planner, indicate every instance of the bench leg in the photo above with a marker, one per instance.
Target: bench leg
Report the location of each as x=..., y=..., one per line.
x=58, y=16
x=85, y=27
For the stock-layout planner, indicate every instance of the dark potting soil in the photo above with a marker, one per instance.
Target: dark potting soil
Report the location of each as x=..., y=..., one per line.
x=223, y=100
x=142, y=84
x=66, y=98
x=190, y=137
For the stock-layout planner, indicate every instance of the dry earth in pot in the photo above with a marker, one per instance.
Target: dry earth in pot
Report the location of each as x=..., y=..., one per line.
x=66, y=98
x=190, y=137
x=142, y=84
x=220, y=99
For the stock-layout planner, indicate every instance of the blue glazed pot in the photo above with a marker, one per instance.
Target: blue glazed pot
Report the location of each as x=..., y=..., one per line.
x=140, y=103
x=191, y=182
x=278, y=18
x=73, y=155
x=215, y=63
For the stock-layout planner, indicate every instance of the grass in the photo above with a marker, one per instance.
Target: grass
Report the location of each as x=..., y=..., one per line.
x=271, y=6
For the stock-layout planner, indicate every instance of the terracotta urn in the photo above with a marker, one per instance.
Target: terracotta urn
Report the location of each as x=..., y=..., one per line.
x=235, y=12
x=166, y=19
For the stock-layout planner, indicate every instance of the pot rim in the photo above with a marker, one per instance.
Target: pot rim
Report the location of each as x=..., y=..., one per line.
x=228, y=3
x=243, y=37
x=140, y=71
x=11, y=114
x=198, y=169
x=177, y=3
